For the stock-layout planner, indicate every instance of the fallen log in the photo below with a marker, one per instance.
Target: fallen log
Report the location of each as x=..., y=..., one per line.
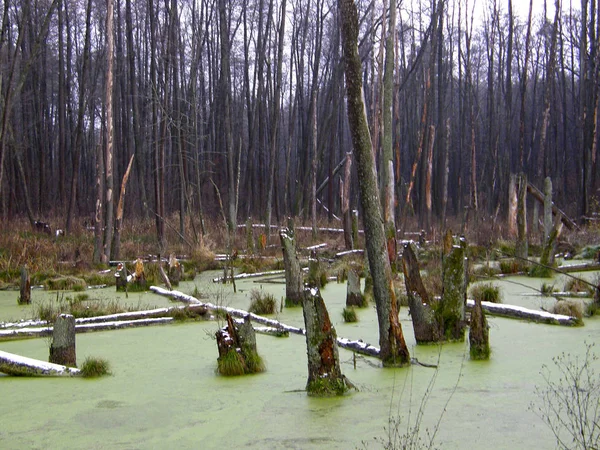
x=539, y=196
x=17, y=365
x=357, y=346
x=582, y=267
x=83, y=328
x=243, y=276
x=519, y=312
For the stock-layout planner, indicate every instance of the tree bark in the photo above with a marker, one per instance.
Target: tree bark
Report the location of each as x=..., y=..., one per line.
x=324, y=373
x=62, y=349
x=391, y=340
x=294, y=285
x=479, y=333
x=25, y=291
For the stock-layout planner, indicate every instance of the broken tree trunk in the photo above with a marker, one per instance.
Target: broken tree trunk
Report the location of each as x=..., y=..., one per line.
x=17, y=365
x=25, y=292
x=293, y=273
x=424, y=325
x=175, y=270
x=121, y=278
x=549, y=250
x=537, y=194
x=324, y=373
x=62, y=349
x=521, y=247
x=479, y=333
x=237, y=349
x=345, y=203
x=139, y=277
x=450, y=312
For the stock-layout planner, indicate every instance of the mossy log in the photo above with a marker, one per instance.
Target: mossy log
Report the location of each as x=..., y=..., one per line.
x=324, y=373
x=62, y=349
x=479, y=340
x=25, y=291
x=17, y=365
x=294, y=282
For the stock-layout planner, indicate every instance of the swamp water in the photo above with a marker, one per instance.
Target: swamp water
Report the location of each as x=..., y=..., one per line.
x=164, y=391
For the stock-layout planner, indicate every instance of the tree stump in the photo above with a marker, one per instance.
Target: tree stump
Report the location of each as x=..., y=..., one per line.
x=25, y=292
x=121, y=278
x=479, y=333
x=237, y=349
x=62, y=349
x=175, y=270
x=354, y=296
x=424, y=324
x=324, y=373
x=450, y=313
x=249, y=237
x=317, y=277
x=139, y=277
x=293, y=274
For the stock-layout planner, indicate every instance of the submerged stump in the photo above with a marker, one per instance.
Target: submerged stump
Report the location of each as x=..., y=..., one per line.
x=139, y=277
x=354, y=296
x=25, y=291
x=294, y=283
x=450, y=312
x=479, y=333
x=237, y=349
x=324, y=373
x=62, y=348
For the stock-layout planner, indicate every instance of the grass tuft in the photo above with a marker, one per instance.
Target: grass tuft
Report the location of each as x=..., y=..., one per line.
x=349, y=315
x=486, y=292
x=95, y=367
x=262, y=302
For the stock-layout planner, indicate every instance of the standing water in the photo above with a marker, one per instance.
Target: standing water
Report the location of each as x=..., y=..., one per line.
x=164, y=391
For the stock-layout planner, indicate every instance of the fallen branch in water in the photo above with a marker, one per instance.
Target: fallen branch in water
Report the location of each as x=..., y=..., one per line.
x=519, y=312
x=12, y=364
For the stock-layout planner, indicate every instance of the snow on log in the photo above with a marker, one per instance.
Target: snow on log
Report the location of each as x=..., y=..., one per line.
x=519, y=312
x=243, y=276
x=582, y=267
x=12, y=364
x=316, y=247
x=85, y=327
x=350, y=252
x=357, y=346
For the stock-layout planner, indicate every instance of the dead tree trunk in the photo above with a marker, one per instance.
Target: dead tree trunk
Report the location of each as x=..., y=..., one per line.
x=237, y=349
x=25, y=293
x=424, y=324
x=354, y=296
x=62, y=349
x=547, y=208
x=345, y=202
x=512, y=205
x=521, y=247
x=293, y=274
x=547, y=258
x=324, y=373
x=451, y=311
x=479, y=333
x=394, y=351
